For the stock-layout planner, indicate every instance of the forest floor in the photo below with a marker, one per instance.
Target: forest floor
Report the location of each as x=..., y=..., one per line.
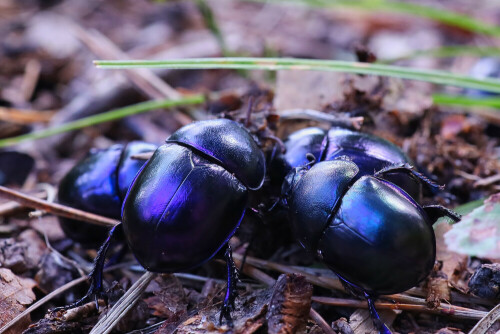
x=47, y=78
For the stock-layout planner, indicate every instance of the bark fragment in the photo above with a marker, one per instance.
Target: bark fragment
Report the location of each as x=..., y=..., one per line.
x=290, y=304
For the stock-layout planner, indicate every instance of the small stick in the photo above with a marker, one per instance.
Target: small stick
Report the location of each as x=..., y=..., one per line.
x=253, y=272
x=19, y=116
x=318, y=319
x=145, y=79
x=331, y=283
x=315, y=115
x=443, y=309
x=487, y=180
x=487, y=321
x=327, y=282
x=31, y=76
x=11, y=206
x=124, y=305
x=55, y=208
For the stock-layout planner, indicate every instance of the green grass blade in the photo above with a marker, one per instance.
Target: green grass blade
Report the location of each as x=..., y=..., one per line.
x=464, y=101
x=212, y=25
x=448, y=52
x=439, y=15
x=104, y=117
x=438, y=77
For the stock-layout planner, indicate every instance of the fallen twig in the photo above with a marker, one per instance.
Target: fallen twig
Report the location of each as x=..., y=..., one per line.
x=24, y=116
x=11, y=206
x=443, y=309
x=412, y=303
x=314, y=115
x=55, y=208
x=145, y=80
x=487, y=321
x=124, y=304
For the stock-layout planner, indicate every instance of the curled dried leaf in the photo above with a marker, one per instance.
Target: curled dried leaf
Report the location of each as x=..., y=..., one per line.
x=15, y=293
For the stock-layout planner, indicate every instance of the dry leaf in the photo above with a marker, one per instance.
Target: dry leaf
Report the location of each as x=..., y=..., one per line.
x=15, y=293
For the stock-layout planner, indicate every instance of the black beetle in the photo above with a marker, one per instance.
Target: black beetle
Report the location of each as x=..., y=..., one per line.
x=98, y=184
x=368, y=230
x=188, y=200
x=370, y=153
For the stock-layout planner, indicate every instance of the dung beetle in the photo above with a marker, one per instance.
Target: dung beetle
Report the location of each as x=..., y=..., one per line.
x=98, y=184
x=368, y=230
x=188, y=200
x=370, y=153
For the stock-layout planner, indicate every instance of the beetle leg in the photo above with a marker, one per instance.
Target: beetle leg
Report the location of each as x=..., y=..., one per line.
x=95, y=277
x=258, y=215
x=379, y=324
x=232, y=279
x=407, y=168
x=437, y=211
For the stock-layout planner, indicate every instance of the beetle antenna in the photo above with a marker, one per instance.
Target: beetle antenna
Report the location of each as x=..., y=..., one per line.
x=277, y=142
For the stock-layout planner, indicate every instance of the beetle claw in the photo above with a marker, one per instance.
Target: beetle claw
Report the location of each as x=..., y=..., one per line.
x=225, y=313
x=93, y=291
x=231, y=294
x=95, y=277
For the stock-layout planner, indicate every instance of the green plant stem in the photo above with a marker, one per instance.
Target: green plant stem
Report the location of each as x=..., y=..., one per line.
x=436, y=14
x=438, y=77
x=448, y=52
x=212, y=25
x=104, y=117
x=464, y=101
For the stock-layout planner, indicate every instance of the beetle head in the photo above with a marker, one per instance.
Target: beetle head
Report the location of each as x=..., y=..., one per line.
x=294, y=176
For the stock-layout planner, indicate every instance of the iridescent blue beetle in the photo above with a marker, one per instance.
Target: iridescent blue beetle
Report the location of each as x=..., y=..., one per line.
x=368, y=230
x=188, y=200
x=98, y=184
x=370, y=153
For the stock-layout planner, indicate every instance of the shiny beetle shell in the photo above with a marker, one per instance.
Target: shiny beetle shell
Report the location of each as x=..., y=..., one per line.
x=368, y=230
x=370, y=153
x=229, y=144
x=98, y=184
x=190, y=197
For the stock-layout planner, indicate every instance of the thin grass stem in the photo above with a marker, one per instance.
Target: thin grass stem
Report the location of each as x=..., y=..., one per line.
x=274, y=64
x=112, y=115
